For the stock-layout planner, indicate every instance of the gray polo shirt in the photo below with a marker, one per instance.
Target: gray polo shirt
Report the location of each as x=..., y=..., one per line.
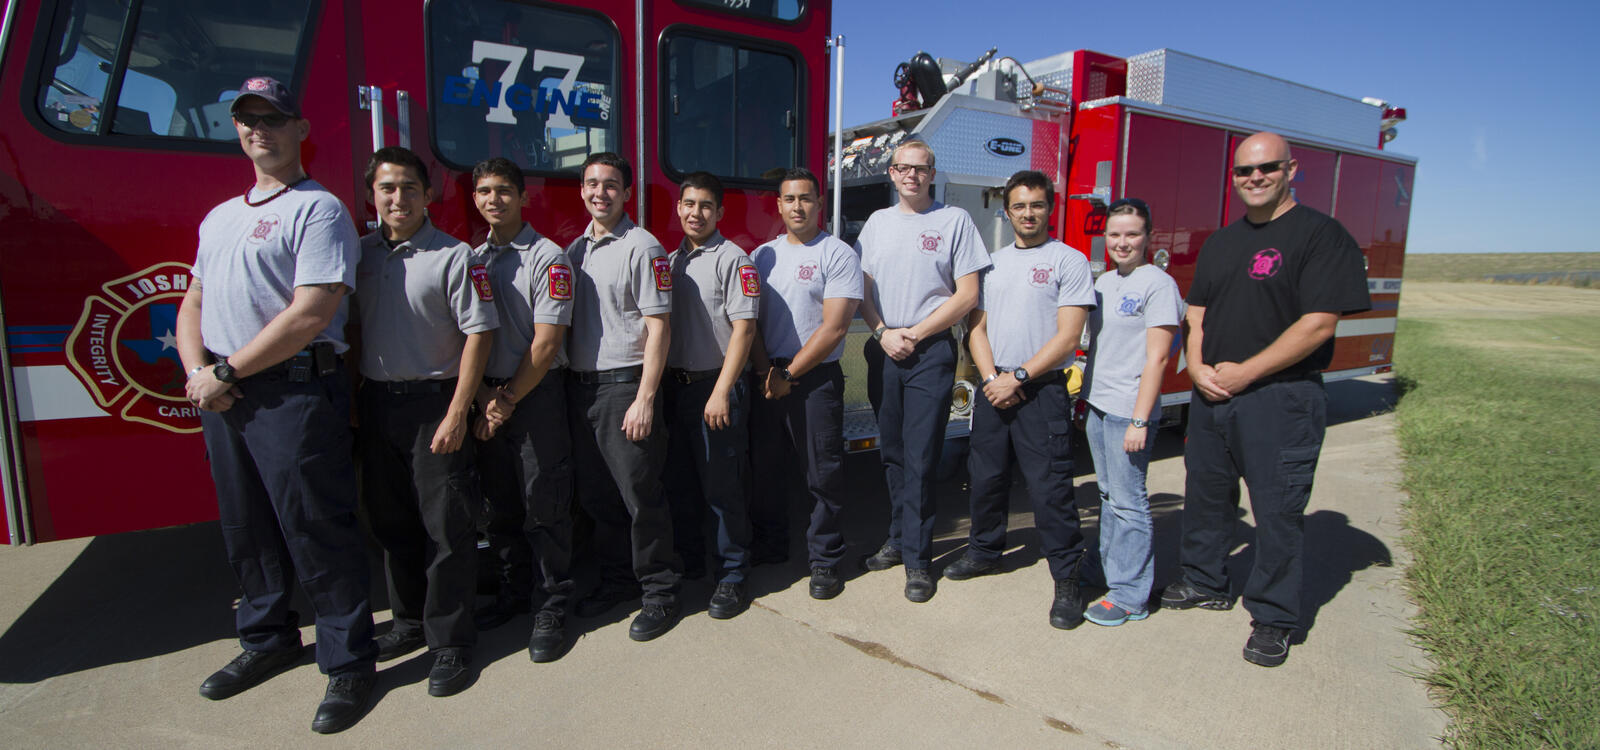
x=532, y=282
x=1128, y=305
x=712, y=286
x=915, y=258
x=798, y=278
x=1021, y=294
x=621, y=277
x=418, y=302
x=251, y=258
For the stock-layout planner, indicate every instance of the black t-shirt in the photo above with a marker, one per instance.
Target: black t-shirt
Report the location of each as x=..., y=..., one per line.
x=1255, y=280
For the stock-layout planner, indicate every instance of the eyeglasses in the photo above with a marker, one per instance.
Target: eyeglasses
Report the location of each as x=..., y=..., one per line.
x=1138, y=205
x=922, y=170
x=254, y=121
x=1266, y=167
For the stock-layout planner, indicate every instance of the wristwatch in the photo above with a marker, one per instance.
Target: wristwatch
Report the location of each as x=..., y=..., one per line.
x=877, y=333
x=784, y=373
x=224, y=371
x=1139, y=423
x=1020, y=374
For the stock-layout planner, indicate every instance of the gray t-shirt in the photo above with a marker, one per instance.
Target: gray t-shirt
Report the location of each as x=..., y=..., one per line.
x=418, y=302
x=1021, y=294
x=532, y=282
x=798, y=278
x=712, y=286
x=621, y=277
x=1128, y=305
x=251, y=258
x=914, y=259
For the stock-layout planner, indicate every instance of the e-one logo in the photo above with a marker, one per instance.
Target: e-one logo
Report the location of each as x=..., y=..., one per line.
x=1005, y=147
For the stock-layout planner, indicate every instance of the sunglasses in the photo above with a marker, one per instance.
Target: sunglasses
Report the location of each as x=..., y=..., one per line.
x=253, y=121
x=1266, y=167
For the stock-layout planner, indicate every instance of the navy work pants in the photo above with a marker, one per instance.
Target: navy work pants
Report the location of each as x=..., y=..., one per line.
x=1037, y=436
x=1271, y=435
x=526, y=471
x=423, y=510
x=619, y=485
x=807, y=424
x=912, y=398
x=707, y=467
x=286, y=488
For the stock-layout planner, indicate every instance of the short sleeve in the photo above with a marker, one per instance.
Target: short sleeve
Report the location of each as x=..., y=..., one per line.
x=1162, y=306
x=328, y=247
x=552, y=284
x=1077, y=283
x=843, y=272
x=1202, y=287
x=741, y=283
x=1333, y=279
x=651, y=277
x=967, y=252
x=471, y=297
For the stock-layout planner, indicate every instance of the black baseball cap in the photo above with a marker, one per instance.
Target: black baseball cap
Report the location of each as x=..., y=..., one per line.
x=270, y=91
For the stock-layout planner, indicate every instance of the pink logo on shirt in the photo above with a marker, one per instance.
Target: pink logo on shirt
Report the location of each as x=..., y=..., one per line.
x=929, y=242
x=1266, y=264
x=264, y=227
x=806, y=272
x=1040, y=275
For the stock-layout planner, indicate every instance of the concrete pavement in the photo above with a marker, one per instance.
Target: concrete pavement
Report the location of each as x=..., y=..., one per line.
x=105, y=641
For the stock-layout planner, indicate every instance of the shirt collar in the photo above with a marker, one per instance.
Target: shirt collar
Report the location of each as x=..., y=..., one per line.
x=616, y=232
x=688, y=247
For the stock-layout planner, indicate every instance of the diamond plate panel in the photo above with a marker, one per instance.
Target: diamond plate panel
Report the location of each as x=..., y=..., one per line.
x=961, y=143
x=1175, y=79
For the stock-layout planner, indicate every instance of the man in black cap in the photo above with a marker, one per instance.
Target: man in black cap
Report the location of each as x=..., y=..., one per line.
x=260, y=332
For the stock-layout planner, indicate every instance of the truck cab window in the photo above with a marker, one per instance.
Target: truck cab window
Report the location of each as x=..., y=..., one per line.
x=535, y=84
x=172, y=67
x=730, y=108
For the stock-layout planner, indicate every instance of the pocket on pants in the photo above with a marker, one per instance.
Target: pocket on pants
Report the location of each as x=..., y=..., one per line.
x=1299, y=467
x=1059, y=443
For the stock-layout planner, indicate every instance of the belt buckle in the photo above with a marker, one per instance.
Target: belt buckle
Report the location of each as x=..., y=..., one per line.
x=682, y=376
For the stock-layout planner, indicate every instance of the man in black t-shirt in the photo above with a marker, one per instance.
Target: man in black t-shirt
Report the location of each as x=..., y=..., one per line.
x=1266, y=299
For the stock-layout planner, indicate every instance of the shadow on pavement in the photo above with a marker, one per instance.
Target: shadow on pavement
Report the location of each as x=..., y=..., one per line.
x=126, y=597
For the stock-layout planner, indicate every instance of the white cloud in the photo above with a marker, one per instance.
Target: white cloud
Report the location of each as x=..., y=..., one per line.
x=1480, y=149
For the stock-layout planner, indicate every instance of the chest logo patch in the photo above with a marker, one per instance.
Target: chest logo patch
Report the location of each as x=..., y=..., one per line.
x=1130, y=305
x=929, y=242
x=807, y=272
x=480, y=282
x=560, y=282
x=663, y=271
x=749, y=281
x=265, y=226
x=1040, y=275
x=1265, y=264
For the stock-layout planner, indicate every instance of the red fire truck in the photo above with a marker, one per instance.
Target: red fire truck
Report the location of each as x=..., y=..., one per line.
x=120, y=142
x=116, y=141
x=1161, y=126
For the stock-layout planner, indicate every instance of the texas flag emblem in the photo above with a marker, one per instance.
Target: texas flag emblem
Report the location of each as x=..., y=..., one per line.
x=749, y=281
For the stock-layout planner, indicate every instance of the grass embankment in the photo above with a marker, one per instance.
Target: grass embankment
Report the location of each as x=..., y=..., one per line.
x=1486, y=266
x=1500, y=425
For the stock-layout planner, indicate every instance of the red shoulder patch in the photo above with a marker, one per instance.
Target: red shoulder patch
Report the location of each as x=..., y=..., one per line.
x=663, y=271
x=560, y=282
x=749, y=281
x=480, y=282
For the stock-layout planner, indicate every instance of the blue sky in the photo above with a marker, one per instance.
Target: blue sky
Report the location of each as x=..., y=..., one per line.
x=1501, y=99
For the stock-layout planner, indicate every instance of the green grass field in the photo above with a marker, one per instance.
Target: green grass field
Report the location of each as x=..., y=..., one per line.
x=1499, y=421
x=1480, y=266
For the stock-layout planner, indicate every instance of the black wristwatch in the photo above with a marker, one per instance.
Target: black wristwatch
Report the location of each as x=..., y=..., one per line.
x=224, y=371
x=784, y=373
x=1020, y=374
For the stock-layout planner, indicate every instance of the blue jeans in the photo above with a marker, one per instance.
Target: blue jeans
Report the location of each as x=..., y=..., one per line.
x=1124, y=511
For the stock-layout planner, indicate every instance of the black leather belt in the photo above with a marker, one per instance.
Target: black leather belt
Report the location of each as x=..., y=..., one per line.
x=692, y=376
x=314, y=360
x=619, y=375
x=495, y=382
x=1044, y=379
x=414, y=386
